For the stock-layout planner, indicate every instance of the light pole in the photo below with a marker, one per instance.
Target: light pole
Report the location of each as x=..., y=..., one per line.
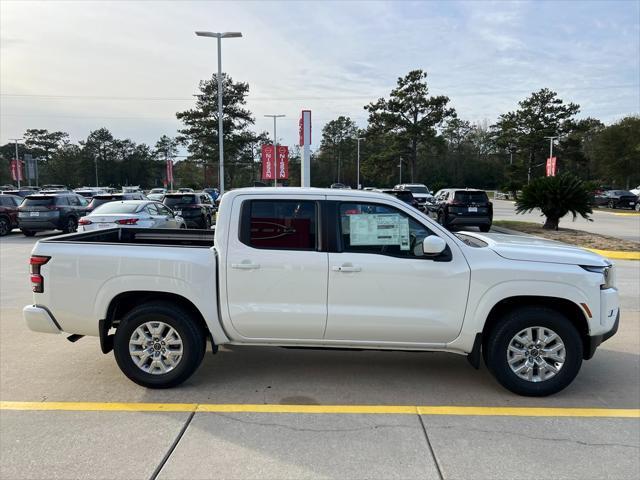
x=551, y=140
x=400, y=165
x=275, y=148
x=358, y=164
x=18, y=167
x=220, y=36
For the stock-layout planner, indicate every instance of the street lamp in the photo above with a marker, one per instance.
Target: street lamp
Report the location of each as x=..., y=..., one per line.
x=275, y=148
x=220, y=36
x=358, y=166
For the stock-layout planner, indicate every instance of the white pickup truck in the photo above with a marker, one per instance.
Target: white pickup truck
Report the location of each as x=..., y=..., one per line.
x=331, y=269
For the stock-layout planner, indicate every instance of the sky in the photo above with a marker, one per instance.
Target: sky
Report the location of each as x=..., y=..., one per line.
x=77, y=66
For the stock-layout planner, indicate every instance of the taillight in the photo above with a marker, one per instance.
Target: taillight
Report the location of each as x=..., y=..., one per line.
x=37, y=281
x=127, y=221
x=84, y=221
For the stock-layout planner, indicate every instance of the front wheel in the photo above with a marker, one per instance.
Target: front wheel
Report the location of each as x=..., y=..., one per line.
x=534, y=351
x=27, y=233
x=159, y=345
x=485, y=228
x=611, y=204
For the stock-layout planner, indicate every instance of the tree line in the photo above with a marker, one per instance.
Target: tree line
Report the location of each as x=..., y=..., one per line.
x=410, y=136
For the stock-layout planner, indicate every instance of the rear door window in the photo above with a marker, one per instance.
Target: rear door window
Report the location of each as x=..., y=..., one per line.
x=279, y=224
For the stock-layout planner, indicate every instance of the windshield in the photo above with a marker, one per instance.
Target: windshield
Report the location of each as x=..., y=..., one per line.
x=471, y=197
x=417, y=189
x=173, y=200
x=117, y=207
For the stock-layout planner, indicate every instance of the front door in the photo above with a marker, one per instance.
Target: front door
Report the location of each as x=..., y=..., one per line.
x=382, y=289
x=276, y=275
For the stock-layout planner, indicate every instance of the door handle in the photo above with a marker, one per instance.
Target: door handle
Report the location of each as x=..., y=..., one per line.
x=245, y=266
x=346, y=268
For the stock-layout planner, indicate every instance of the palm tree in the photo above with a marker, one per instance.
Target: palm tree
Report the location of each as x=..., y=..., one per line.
x=555, y=197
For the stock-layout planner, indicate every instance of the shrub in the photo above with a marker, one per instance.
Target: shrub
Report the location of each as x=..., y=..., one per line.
x=555, y=197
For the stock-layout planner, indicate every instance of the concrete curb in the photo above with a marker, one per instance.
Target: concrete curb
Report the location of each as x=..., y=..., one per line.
x=611, y=254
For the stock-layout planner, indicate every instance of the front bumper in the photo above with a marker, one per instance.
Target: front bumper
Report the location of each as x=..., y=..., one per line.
x=594, y=342
x=607, y=327
x=39, y=319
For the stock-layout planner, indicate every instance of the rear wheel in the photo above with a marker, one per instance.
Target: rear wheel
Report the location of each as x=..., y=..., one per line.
x=159, y=345
x=27, y=233
x=71, y=225
x=484, y=228
x=206, y=222
x=5, y=226
x=534, y=351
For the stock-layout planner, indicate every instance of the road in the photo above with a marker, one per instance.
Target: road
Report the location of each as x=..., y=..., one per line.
x=623, y=224
x=107, y=443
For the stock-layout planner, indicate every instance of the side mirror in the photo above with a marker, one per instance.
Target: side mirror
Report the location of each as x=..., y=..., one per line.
x=433, y=245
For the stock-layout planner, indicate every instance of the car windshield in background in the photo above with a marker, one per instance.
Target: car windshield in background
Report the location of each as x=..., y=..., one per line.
x=417, y=189
x=117, y=207
x=38, y=201
x=471, y=197
x=173, y=200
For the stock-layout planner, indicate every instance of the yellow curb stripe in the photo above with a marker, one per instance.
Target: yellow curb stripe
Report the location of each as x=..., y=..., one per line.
x=321, y=409
x=616, y=255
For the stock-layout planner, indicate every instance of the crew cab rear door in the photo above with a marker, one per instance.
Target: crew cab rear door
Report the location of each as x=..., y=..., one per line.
x=276, y=275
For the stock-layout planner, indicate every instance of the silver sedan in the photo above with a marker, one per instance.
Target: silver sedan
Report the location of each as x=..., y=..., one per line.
x=131, y=213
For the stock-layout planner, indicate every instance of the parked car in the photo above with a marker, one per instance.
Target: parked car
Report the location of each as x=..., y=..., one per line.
x=420, y=192
x=54, y=186
x=339, y=186
x=618, y=199
x=9, y=213
x=455, y=207
x=213, y=192
x=89, y=192
x=532, y=309
x=98, y=200
x=405, y=195
x=197, y=209
x=131, y=213
x=158, y=197
x=21, y=192
x=185, y=190
x=51, y=212
x=157, y=190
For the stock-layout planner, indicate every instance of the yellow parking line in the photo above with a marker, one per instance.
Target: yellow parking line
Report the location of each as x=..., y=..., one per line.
x=323, y=409
x=615, y=254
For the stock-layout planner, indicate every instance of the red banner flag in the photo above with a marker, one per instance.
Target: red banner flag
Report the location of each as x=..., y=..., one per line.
x=268, y=165
x=551, y=167
x=283, y=163
x=16, y=170
x=169, y=171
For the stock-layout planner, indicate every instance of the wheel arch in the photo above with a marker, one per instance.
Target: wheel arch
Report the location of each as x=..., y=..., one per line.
x=568, y=308
x=124, y=302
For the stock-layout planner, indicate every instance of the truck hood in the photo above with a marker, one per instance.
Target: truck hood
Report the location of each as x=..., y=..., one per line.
x=536, y=249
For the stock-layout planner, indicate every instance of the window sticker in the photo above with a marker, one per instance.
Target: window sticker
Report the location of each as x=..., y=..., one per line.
x=379, y=229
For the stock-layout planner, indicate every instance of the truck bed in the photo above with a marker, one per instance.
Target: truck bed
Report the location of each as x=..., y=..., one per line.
x=141, y=236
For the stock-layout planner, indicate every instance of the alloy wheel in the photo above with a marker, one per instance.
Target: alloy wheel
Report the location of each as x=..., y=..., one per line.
x=536, y=354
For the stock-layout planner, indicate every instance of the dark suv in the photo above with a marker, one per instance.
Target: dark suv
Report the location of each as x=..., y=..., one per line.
x=454, y=207
x=51, y=212
x=8, y=213
x=197, y=209
x=405, y=195
x=98, y=200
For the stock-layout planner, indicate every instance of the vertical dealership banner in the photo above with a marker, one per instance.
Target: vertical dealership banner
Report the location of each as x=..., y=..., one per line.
x=170, y=171
x=305, y=144
x=16, y=170
x=551, y=167
x=267, y=163
x=283, y=163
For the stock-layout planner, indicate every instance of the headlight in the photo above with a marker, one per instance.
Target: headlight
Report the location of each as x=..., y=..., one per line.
x=608, y=275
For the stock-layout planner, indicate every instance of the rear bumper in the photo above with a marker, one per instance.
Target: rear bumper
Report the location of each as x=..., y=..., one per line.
x=460, y=220
x=39, y=225
x=39, y=319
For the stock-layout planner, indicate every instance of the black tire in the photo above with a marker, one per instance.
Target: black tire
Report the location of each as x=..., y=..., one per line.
x=71, y=225
x=442, y=219
x=612, y=205
x=5, y=226
x=28, y=233
x=206, y=222
x=193, y=338
x=514, y=322
x=485, y=228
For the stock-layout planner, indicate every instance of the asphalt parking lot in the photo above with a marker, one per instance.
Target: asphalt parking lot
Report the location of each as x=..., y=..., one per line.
x=278, y=413
x=624, y=224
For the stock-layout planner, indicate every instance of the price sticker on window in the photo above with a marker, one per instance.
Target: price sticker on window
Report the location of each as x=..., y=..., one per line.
x=379, y=229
